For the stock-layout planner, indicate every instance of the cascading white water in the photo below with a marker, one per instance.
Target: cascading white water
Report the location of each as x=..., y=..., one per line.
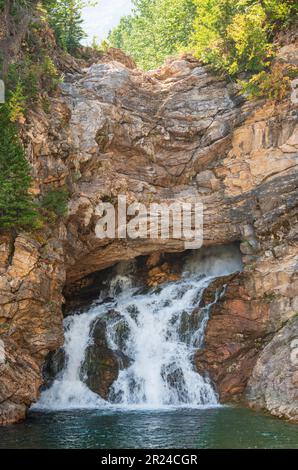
x=159, y=341
x=68, y=391
x=162, y=372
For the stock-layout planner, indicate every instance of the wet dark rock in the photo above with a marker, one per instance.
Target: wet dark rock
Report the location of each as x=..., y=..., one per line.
x=53, y=366
x=100, y=369
x=190, y=323
x=102, y=365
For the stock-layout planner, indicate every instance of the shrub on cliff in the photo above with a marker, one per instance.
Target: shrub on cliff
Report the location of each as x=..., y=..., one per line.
x=54, y=203
x=34, y=76
x=274, y=84
x=235, y=36
x=65, y=17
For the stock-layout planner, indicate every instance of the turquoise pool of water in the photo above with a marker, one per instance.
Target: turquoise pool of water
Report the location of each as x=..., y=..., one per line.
x=213, y=428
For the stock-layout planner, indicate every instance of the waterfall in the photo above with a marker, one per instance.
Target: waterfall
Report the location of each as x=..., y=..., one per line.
x=162, y=335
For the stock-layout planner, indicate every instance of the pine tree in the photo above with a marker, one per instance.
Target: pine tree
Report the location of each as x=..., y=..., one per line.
x=17, y=209
x=75, y=32
x=66, y=20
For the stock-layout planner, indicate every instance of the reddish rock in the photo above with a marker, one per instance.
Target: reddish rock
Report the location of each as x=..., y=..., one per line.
x=235, y=333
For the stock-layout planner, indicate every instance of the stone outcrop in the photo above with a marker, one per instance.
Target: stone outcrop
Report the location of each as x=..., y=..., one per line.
x=161, y=136
x=102, y=365
x=238, y=329
x=145, y=136
x=32, y=276
x=274, y=382
x=244, y=330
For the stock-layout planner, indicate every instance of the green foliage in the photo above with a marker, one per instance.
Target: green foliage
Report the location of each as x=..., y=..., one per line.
x=17, y=208
x=235, y=36
x=49, y=74
x=274, y=84
x=102, y=46
x=17, y=8
x=26, y=81
x=23, y=74
x=155, y=30
x=55, y=202
x=29, y=76
x=95, y=44
x=247, y=35
x=65, y=17
x=16, y=104
x=282, y=12
x=119, y=36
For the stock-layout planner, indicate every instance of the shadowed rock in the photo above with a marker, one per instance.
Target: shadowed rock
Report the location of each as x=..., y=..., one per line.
x=102, y=365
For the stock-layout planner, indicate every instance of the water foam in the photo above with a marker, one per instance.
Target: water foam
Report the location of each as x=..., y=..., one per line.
x=162, y=337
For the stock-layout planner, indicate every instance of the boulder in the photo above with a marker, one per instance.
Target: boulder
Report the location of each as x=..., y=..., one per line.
x=102, y=365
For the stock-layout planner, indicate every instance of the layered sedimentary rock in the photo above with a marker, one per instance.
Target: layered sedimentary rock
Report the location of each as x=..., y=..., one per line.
x=161, y=136
x=274, y=381
x=31, y=281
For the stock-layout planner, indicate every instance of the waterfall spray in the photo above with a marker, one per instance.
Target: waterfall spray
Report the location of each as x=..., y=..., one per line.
x=162, y=337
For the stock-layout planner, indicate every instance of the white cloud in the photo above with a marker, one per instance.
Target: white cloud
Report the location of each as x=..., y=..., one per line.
x=99, y=20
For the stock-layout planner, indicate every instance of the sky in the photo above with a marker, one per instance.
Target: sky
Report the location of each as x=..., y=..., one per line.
x=99, y=20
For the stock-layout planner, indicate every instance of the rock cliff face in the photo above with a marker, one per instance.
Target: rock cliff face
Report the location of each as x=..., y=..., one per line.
x=158, y=137
x=32, y=276
x=274, y=381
